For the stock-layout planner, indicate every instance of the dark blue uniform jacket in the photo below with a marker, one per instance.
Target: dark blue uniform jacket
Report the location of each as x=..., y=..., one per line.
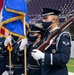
x=57, y=55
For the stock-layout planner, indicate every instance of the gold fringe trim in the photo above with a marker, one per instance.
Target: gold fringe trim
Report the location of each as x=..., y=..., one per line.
x=14, y=11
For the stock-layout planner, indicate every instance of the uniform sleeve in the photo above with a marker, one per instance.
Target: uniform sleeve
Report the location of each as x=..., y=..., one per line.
x=20, y=53
x=63, y=51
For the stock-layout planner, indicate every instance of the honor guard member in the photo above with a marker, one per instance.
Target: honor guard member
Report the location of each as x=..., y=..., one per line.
x=17, y=66
x=3, y=47
x=56, y=56
x=35, y=37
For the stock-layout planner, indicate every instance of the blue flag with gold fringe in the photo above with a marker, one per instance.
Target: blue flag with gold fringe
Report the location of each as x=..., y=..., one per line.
x=13, y=14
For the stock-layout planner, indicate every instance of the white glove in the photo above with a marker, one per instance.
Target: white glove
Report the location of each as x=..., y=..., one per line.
x=7, y=40
x=37, y=54
x=23, y=43
x=5, y=73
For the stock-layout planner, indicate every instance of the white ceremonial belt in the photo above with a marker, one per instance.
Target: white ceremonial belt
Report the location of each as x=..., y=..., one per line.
x=17, y=66
x=33, y=66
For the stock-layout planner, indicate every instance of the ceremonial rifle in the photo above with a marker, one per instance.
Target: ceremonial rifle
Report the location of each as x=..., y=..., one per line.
x=47, y=42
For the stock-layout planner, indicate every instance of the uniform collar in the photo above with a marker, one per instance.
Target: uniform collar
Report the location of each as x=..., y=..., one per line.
x=53, y=29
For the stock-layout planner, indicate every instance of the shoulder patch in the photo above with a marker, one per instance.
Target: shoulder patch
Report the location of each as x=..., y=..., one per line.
x=65, y=43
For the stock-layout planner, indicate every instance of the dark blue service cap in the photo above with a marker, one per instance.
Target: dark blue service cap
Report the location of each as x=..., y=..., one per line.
x=50, y=11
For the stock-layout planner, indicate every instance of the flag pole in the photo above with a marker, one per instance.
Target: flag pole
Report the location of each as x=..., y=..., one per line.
x=25, y=52
x=10, y=64
x=10, y=61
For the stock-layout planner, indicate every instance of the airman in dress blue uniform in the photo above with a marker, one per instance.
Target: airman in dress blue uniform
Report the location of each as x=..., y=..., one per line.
x=16, y=63
x=35, y=36
x=2, y=58
x=55, y=56
x=3, y=48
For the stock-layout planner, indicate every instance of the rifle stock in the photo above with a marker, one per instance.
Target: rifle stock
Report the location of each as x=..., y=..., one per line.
x=47, y=42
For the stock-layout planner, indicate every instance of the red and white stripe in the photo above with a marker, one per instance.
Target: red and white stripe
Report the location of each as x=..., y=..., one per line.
x=1, y=5
x=4, y=32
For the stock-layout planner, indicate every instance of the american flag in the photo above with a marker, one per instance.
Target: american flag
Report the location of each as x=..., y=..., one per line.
x=1, y=5
x=4, y=32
